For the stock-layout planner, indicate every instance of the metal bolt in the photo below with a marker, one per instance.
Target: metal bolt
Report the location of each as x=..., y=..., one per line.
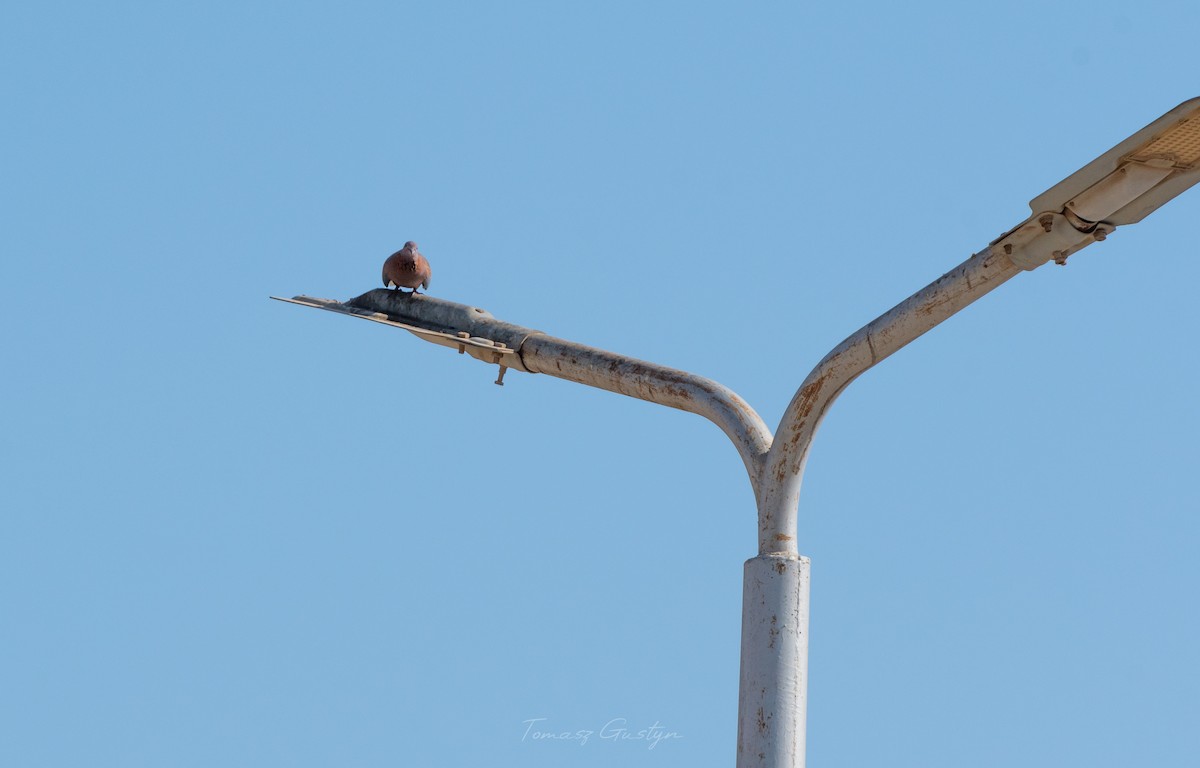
x=1047, y=222
x=1060, y=258
x=500, y=378
x=1008, y=249
x=1099, y=234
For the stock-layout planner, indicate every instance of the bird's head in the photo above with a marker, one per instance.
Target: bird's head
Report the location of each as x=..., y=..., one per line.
x=410, y=246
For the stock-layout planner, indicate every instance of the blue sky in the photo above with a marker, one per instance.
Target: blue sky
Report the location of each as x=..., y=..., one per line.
x=237, y=532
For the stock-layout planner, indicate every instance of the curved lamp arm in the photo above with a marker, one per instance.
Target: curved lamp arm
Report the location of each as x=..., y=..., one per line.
x=475, y=331
x=783, y=471
x=1119, y=187
x=658, y=384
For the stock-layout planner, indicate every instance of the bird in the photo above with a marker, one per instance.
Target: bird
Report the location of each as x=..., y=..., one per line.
x=406, y=268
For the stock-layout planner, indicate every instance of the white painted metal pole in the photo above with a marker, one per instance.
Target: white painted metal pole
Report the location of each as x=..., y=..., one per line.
x=773, y=694
x=773, y=689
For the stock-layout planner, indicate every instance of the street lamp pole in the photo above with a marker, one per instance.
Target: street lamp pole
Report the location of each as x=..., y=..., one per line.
x=775, y=608
x=1120, y=187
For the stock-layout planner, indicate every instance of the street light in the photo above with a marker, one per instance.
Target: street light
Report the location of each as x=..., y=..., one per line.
x=1120, y=187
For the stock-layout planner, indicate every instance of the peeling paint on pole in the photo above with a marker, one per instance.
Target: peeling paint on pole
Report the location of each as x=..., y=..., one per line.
x=772, y=692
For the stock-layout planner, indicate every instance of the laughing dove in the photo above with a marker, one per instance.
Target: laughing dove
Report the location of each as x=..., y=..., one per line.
x=406, y=268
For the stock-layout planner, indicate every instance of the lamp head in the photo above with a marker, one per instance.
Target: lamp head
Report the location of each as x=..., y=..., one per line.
x=1122, y=186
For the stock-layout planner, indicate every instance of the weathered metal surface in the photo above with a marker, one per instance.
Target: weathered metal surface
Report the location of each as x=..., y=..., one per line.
x=436, y=314
x=1047, y=237
x=485, y=348
x=773, y=686
x=476, y=332
x=784, y=468
x=657, y=384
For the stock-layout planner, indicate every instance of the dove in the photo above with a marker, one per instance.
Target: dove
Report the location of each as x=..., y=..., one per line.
x=406, y=268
